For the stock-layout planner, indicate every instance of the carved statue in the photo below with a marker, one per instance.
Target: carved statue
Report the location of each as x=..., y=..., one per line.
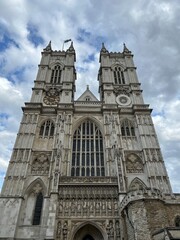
x=110, y=231
x=65, y=231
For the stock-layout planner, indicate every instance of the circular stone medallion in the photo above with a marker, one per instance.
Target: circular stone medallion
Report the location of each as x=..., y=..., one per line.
x=123, y=100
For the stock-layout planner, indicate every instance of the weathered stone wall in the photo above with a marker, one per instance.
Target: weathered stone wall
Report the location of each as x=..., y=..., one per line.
x=139, y=220
x=156, y=214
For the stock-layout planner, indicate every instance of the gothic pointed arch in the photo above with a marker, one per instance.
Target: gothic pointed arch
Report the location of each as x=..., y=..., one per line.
x=47, y=128
x=32, y=206
x=36, y=186
x=87, y=150
x=88, y=229
x=91, y=118
x=137, y=184
x=118, y=73
x=88, y=237
x=56, y=72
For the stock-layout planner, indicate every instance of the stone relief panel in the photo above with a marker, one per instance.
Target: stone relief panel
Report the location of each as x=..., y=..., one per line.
x=40, y=164
x=137, y=185
x=113, y=230
x=125, y=90
x=62, y=230
x=88, y=201
x=134, y=163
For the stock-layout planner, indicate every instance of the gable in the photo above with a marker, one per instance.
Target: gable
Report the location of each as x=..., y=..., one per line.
x=87, y=96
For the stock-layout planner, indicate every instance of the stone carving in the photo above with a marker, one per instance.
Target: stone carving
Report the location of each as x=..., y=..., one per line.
x=59, y=231
x=134, y=164
x=59, y=152
x=87, y=207
x=79, y=180
x=40, y=165
x=56, y=174
x=125, y=90
x=117, y=229
x=110, y=230
x=88, y=201
x=37, y=188
x=137, y=185
x=52, y=96
x=148, y=193
x=65, y=231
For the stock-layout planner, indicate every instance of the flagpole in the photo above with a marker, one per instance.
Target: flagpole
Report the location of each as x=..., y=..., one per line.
x=68, y=40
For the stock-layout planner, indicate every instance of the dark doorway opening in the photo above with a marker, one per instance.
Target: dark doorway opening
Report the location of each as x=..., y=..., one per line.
x=88, y=237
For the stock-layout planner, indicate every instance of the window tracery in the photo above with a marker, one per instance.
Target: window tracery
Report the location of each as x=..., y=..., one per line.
x=47, y=129
x=87, y=151
x=118, y=75
x=127, y=128
x=56, y=74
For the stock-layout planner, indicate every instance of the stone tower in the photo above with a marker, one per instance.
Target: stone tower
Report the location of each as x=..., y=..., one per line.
x=87, y=169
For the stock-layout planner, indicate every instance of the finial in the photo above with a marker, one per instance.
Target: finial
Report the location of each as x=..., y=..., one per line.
x=103, y=49
x=126, y=49
x=48, y=47
x=71, y=48
x=87, y=87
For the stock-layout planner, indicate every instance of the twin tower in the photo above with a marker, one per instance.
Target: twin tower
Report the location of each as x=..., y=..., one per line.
x=87, y=169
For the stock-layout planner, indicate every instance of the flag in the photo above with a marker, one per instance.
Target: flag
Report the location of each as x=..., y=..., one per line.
x=68, y=40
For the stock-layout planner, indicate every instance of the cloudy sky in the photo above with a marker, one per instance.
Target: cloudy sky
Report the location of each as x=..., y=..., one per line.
x=150, y=29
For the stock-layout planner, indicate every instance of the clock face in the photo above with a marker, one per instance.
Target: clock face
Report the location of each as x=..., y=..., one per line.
x=52, y=97
x=123, y=100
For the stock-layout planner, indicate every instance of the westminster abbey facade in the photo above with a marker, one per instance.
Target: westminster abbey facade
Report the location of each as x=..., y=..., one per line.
x=87, y=169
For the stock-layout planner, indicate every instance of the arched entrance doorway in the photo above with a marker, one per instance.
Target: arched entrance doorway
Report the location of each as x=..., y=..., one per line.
x=88, y=237
x=88, y=232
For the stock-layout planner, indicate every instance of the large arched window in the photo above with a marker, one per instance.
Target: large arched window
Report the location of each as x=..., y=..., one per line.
x=56, y=74
x=38, y=209
x=127, y=128
x=87, y=151
x=118, y=75
x=47, y=129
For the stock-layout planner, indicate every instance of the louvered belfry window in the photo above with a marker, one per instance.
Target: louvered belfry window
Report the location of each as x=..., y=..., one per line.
x=56, y=75
x=87, y=151
x=118, y=75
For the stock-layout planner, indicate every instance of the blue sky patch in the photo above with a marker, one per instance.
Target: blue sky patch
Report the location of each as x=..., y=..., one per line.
x=33, y=35
x=6, y=42
x=90, y=58
x=83, y=35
